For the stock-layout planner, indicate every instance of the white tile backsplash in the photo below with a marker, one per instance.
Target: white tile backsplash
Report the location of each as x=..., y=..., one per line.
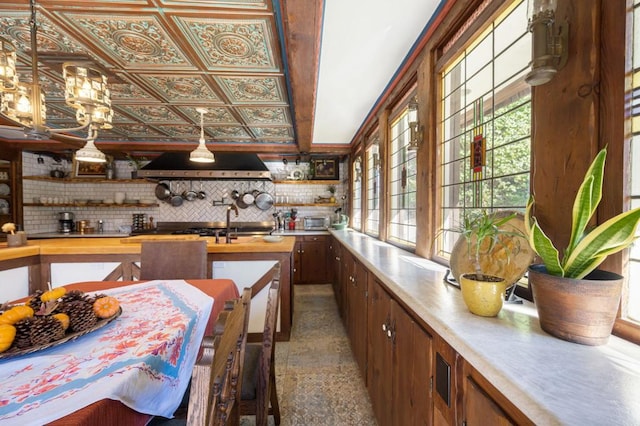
x=45, y=219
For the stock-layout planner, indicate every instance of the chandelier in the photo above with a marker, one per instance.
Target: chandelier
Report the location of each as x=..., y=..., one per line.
x=24, y=104
x=201, y=154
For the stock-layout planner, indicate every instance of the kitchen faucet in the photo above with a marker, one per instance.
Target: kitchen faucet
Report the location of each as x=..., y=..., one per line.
x=234, y=208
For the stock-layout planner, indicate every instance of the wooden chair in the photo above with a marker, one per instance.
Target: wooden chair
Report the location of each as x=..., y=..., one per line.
x=169, y=260
x=216, y=381
x=216, y=385
x=259, y=396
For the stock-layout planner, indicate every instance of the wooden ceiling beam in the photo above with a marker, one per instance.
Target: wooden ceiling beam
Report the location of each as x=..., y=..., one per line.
x=303, y=34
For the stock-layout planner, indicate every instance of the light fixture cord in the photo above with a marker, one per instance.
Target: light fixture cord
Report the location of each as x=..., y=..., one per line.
x=201, y=126
x=35, y=78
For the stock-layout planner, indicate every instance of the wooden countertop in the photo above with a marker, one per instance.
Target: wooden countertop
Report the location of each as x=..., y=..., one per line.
x=132, y=245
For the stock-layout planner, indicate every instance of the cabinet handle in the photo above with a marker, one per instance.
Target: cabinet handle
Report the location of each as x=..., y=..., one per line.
x=301, y=251
x=384, y=327
x=338, y=258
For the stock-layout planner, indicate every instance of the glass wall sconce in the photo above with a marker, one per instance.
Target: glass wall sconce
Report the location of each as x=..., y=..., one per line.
x=549, y=41
x=415, y=129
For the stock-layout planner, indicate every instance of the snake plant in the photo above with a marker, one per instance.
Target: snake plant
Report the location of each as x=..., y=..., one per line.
x=586, y=249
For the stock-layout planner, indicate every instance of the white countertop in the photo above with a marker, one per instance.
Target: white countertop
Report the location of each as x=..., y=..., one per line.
x=551, y=381
x=300, y=232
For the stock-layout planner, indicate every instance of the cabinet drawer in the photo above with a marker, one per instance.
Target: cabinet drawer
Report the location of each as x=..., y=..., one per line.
x=314, y=238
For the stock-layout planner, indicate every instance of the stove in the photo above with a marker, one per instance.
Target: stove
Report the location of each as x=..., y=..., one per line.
x=209, y=229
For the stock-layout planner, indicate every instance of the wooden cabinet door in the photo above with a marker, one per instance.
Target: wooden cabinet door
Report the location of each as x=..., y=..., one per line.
x=297, y=262
x=444, y=365
x=379, y=354
x=359, y=316
x=314, y=262
x=412, y=402
x=335, y=266
x=479, y=408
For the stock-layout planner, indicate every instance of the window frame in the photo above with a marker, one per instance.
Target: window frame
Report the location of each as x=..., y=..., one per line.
x=472, y=33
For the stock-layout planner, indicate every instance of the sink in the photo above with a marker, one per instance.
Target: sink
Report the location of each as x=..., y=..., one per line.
x=239, y=240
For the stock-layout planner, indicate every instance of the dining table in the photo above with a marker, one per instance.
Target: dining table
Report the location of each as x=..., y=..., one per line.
x=135, y=367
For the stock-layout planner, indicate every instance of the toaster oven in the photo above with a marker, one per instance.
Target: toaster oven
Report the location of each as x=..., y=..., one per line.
x=315, y=223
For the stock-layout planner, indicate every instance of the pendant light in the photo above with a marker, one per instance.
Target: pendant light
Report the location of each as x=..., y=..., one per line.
x=24, y=104
x=89, y=153
x=201, y=154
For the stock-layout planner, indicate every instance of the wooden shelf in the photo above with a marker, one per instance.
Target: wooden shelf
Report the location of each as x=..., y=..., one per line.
x=307, y=205
x=84, y=180
x=90, y=205
x=307, y=182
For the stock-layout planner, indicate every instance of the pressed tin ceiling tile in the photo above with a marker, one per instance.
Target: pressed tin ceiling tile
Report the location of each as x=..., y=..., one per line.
x=152, y=113
x=228, y=132
x=51, y=38
x=251, y=89
x=265, y=115
x=134, y=41
x=190, y=88
x=214, y=115
x=224, y=44
x=139, y=131
x=273, y=132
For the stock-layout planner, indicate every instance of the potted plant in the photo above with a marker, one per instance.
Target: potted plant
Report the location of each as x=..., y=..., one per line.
x=576, y=301
x=482, y=292
x=332, y=191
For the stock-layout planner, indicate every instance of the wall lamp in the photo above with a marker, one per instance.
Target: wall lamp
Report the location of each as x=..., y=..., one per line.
x=549, y=49
x=415, y=128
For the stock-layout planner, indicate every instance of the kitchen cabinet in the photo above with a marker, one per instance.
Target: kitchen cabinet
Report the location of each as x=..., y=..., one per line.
x=355, y=294
x=445, y=390
x=399, y=362
x=335, y=271
x=310, y=260
x=10, y=187
x=482, y=404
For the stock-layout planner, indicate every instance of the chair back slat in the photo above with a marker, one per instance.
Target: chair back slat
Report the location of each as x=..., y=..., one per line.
x=171, y=260
x=264, y=378
x=215, y=382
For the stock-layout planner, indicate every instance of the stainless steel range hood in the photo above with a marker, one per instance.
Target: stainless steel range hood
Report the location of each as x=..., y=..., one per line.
x=228, y=165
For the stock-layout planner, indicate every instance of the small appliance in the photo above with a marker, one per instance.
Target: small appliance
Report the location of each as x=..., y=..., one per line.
x=316, y=223
x=65, y=222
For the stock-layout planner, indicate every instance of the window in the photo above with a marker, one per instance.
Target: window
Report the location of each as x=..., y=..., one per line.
x=485, y=124
x=632, y=310
x=373, y=188
x=402, y=191
x=356, y=194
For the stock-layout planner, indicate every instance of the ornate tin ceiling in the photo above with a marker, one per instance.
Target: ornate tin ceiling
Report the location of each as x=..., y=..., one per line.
x=164, y=59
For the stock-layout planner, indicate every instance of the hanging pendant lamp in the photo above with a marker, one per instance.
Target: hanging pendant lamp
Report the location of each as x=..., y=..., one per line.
x=201, y=154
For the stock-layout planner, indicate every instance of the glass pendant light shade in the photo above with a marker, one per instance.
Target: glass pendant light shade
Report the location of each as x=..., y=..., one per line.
x=18, y=105
x=201, y=154
x=8, y=76
x=89, y=153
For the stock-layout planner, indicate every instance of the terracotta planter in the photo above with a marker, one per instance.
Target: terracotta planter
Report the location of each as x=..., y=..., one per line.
x=483, y=298
x=577, y=310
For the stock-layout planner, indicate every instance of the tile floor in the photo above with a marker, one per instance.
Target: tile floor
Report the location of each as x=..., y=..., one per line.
x=316, y=375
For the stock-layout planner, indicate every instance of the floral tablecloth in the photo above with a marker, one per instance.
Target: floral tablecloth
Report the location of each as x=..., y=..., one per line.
x=144, y=359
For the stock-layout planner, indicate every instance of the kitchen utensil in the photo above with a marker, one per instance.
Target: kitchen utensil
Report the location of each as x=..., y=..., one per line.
x=176, y=200
x=190, y=195
x=163, y=192
x=201, y=194
x=248, y=198
x=264, y=201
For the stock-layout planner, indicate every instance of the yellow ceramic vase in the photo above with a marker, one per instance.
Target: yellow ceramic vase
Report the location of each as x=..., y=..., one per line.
x=483, y=298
